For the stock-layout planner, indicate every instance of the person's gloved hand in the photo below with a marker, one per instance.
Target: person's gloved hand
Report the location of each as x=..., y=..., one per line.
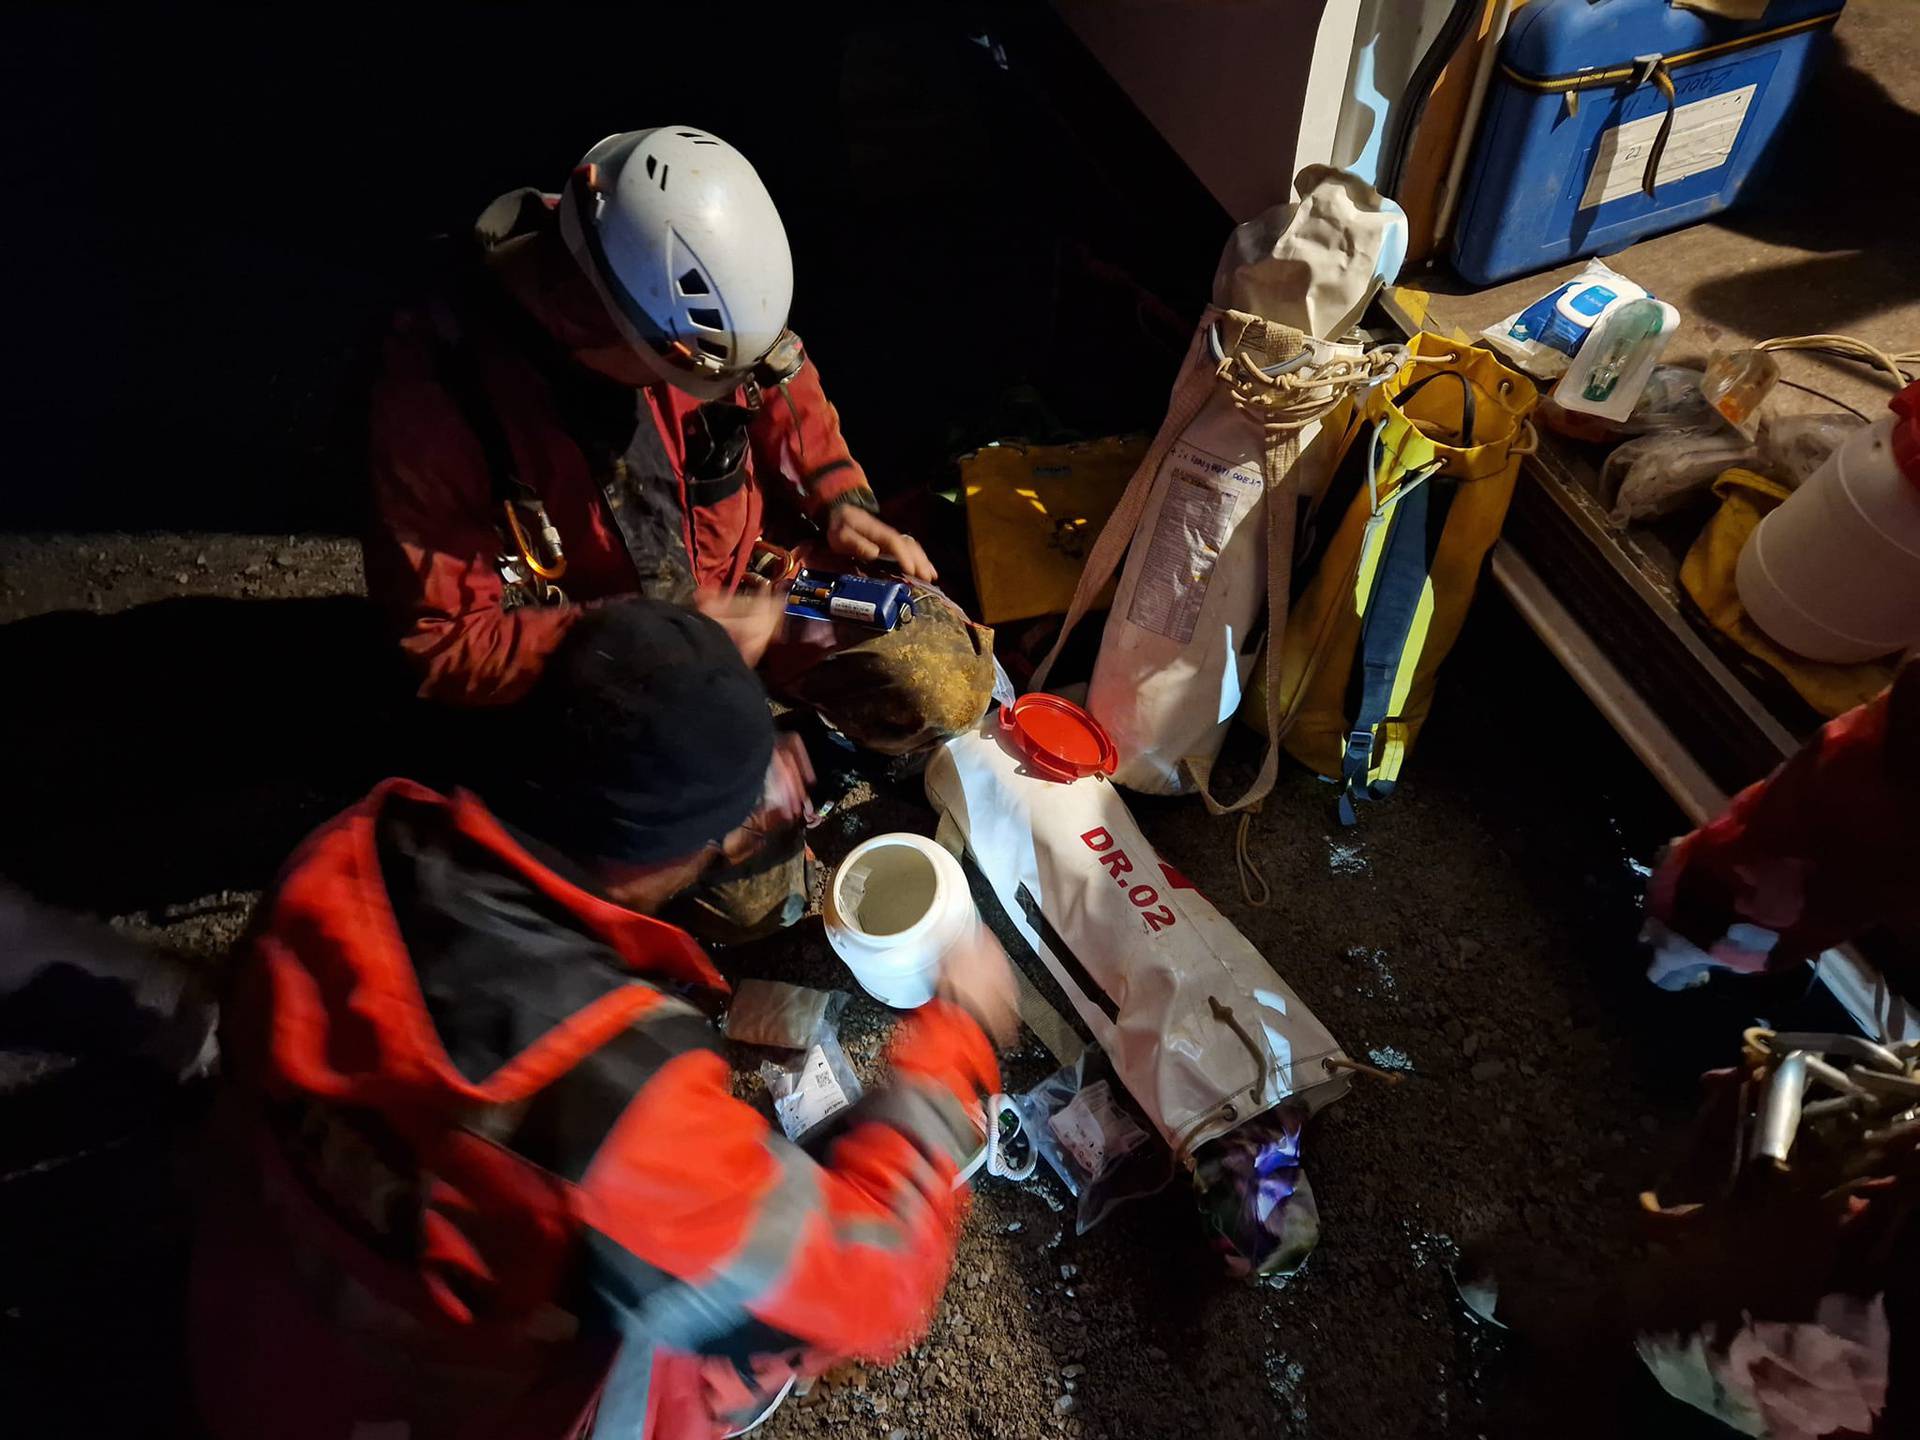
x=976, y=975
x=858, y=533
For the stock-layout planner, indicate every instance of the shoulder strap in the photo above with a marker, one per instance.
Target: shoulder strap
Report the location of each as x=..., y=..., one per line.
x=459, y=375
x=1467, y=407
x=1389, y=588
x=1389, y=611
x=1282, y=464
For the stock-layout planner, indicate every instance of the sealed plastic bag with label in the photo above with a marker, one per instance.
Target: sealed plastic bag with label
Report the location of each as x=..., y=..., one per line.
x=815, y=1084
x=1542, y=338
x=812, y=1088
x=1093, y=1137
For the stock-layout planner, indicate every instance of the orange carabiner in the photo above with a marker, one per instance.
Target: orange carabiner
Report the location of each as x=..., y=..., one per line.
x=548, y=572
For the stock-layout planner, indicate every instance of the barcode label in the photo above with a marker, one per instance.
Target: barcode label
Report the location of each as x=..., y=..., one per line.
x=815, y=1098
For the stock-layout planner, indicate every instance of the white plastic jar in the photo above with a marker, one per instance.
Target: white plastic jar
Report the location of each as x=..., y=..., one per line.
x=1834, y=573
x=893, y=909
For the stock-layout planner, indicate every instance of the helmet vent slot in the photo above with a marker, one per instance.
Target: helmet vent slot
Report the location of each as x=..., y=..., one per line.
x=694, y=283
x=663, y=175
x=711, y=347
x=706, y=319
x=651, y=163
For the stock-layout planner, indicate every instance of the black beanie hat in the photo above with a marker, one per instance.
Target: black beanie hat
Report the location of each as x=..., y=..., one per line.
x=645, y=738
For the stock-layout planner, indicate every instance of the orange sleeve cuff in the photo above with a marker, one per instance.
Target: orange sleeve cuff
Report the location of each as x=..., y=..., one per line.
x=943, y=1044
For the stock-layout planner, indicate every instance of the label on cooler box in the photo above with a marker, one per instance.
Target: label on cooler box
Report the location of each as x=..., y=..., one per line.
x=1702, y=139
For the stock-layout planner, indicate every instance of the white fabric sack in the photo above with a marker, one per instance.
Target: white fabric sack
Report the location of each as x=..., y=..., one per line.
x=1316, y=263
x=1197, y=1025
x=1205, y=552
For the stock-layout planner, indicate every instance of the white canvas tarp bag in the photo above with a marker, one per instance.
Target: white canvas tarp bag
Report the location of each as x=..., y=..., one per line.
x=1196, y=1024
x=1207, y=522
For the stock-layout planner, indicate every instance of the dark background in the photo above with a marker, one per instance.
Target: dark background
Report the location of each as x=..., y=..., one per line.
x=211, y=212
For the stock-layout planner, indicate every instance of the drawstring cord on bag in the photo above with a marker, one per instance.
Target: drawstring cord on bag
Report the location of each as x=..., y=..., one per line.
x=1291, y=396
x=1244, y=862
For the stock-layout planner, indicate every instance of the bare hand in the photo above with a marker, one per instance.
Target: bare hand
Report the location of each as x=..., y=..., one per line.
x=863, y=535
x=784, y=804
x=976, y=976
x=789, y=778
x=751, y=620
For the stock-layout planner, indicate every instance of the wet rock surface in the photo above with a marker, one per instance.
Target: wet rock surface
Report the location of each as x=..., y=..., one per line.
x=1474, y=935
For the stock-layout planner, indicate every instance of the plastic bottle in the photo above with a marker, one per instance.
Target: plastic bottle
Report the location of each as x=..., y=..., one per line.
x=1834, y=573
x=893, y=908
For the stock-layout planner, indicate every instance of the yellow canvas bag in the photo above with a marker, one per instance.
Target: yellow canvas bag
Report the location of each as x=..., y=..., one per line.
x=1395, y=550
x=1032, y=513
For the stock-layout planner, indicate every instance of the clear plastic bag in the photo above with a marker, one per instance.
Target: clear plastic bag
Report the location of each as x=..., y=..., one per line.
x=1656, y=474
x=1671, y=401
x=813, y=1087
x=1085, y=1126
x=1792, y=447
x=786, y=1017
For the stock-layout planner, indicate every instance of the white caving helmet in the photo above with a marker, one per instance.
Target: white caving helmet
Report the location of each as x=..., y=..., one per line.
x=684, y=245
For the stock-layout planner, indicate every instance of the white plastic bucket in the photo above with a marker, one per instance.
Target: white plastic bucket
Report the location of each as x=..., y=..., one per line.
x=1834, y=573
x=893, y=909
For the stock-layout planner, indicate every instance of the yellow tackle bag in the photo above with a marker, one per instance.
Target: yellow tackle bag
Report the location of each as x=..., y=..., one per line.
x=1393, y=553
x=1032, y=511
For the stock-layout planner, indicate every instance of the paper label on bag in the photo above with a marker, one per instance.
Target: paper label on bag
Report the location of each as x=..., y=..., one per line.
x=1094, y=1130
x=816, y=1097
x=1702, y=139
x=1205, y=495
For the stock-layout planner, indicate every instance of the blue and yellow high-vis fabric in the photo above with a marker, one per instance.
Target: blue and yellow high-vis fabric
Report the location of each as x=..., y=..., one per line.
x=1392, y=556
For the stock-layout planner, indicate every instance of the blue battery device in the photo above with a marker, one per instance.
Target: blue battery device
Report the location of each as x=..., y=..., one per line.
x=859, y=599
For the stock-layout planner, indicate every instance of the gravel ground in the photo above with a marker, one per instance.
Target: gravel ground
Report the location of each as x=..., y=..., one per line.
x=1475, y=934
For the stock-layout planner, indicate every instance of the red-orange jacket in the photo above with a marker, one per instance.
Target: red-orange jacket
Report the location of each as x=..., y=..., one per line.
x=486, y=1143
x=434, y=541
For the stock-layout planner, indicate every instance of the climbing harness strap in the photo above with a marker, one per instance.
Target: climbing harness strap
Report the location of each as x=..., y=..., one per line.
x=1394, y=597
x=533, y=557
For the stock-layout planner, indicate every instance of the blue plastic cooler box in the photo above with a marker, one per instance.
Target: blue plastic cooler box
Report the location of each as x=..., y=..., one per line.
x=1589, y=91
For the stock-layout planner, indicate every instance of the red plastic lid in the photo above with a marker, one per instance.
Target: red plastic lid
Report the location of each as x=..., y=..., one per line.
x=1059, y=739
x=1906, y=432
